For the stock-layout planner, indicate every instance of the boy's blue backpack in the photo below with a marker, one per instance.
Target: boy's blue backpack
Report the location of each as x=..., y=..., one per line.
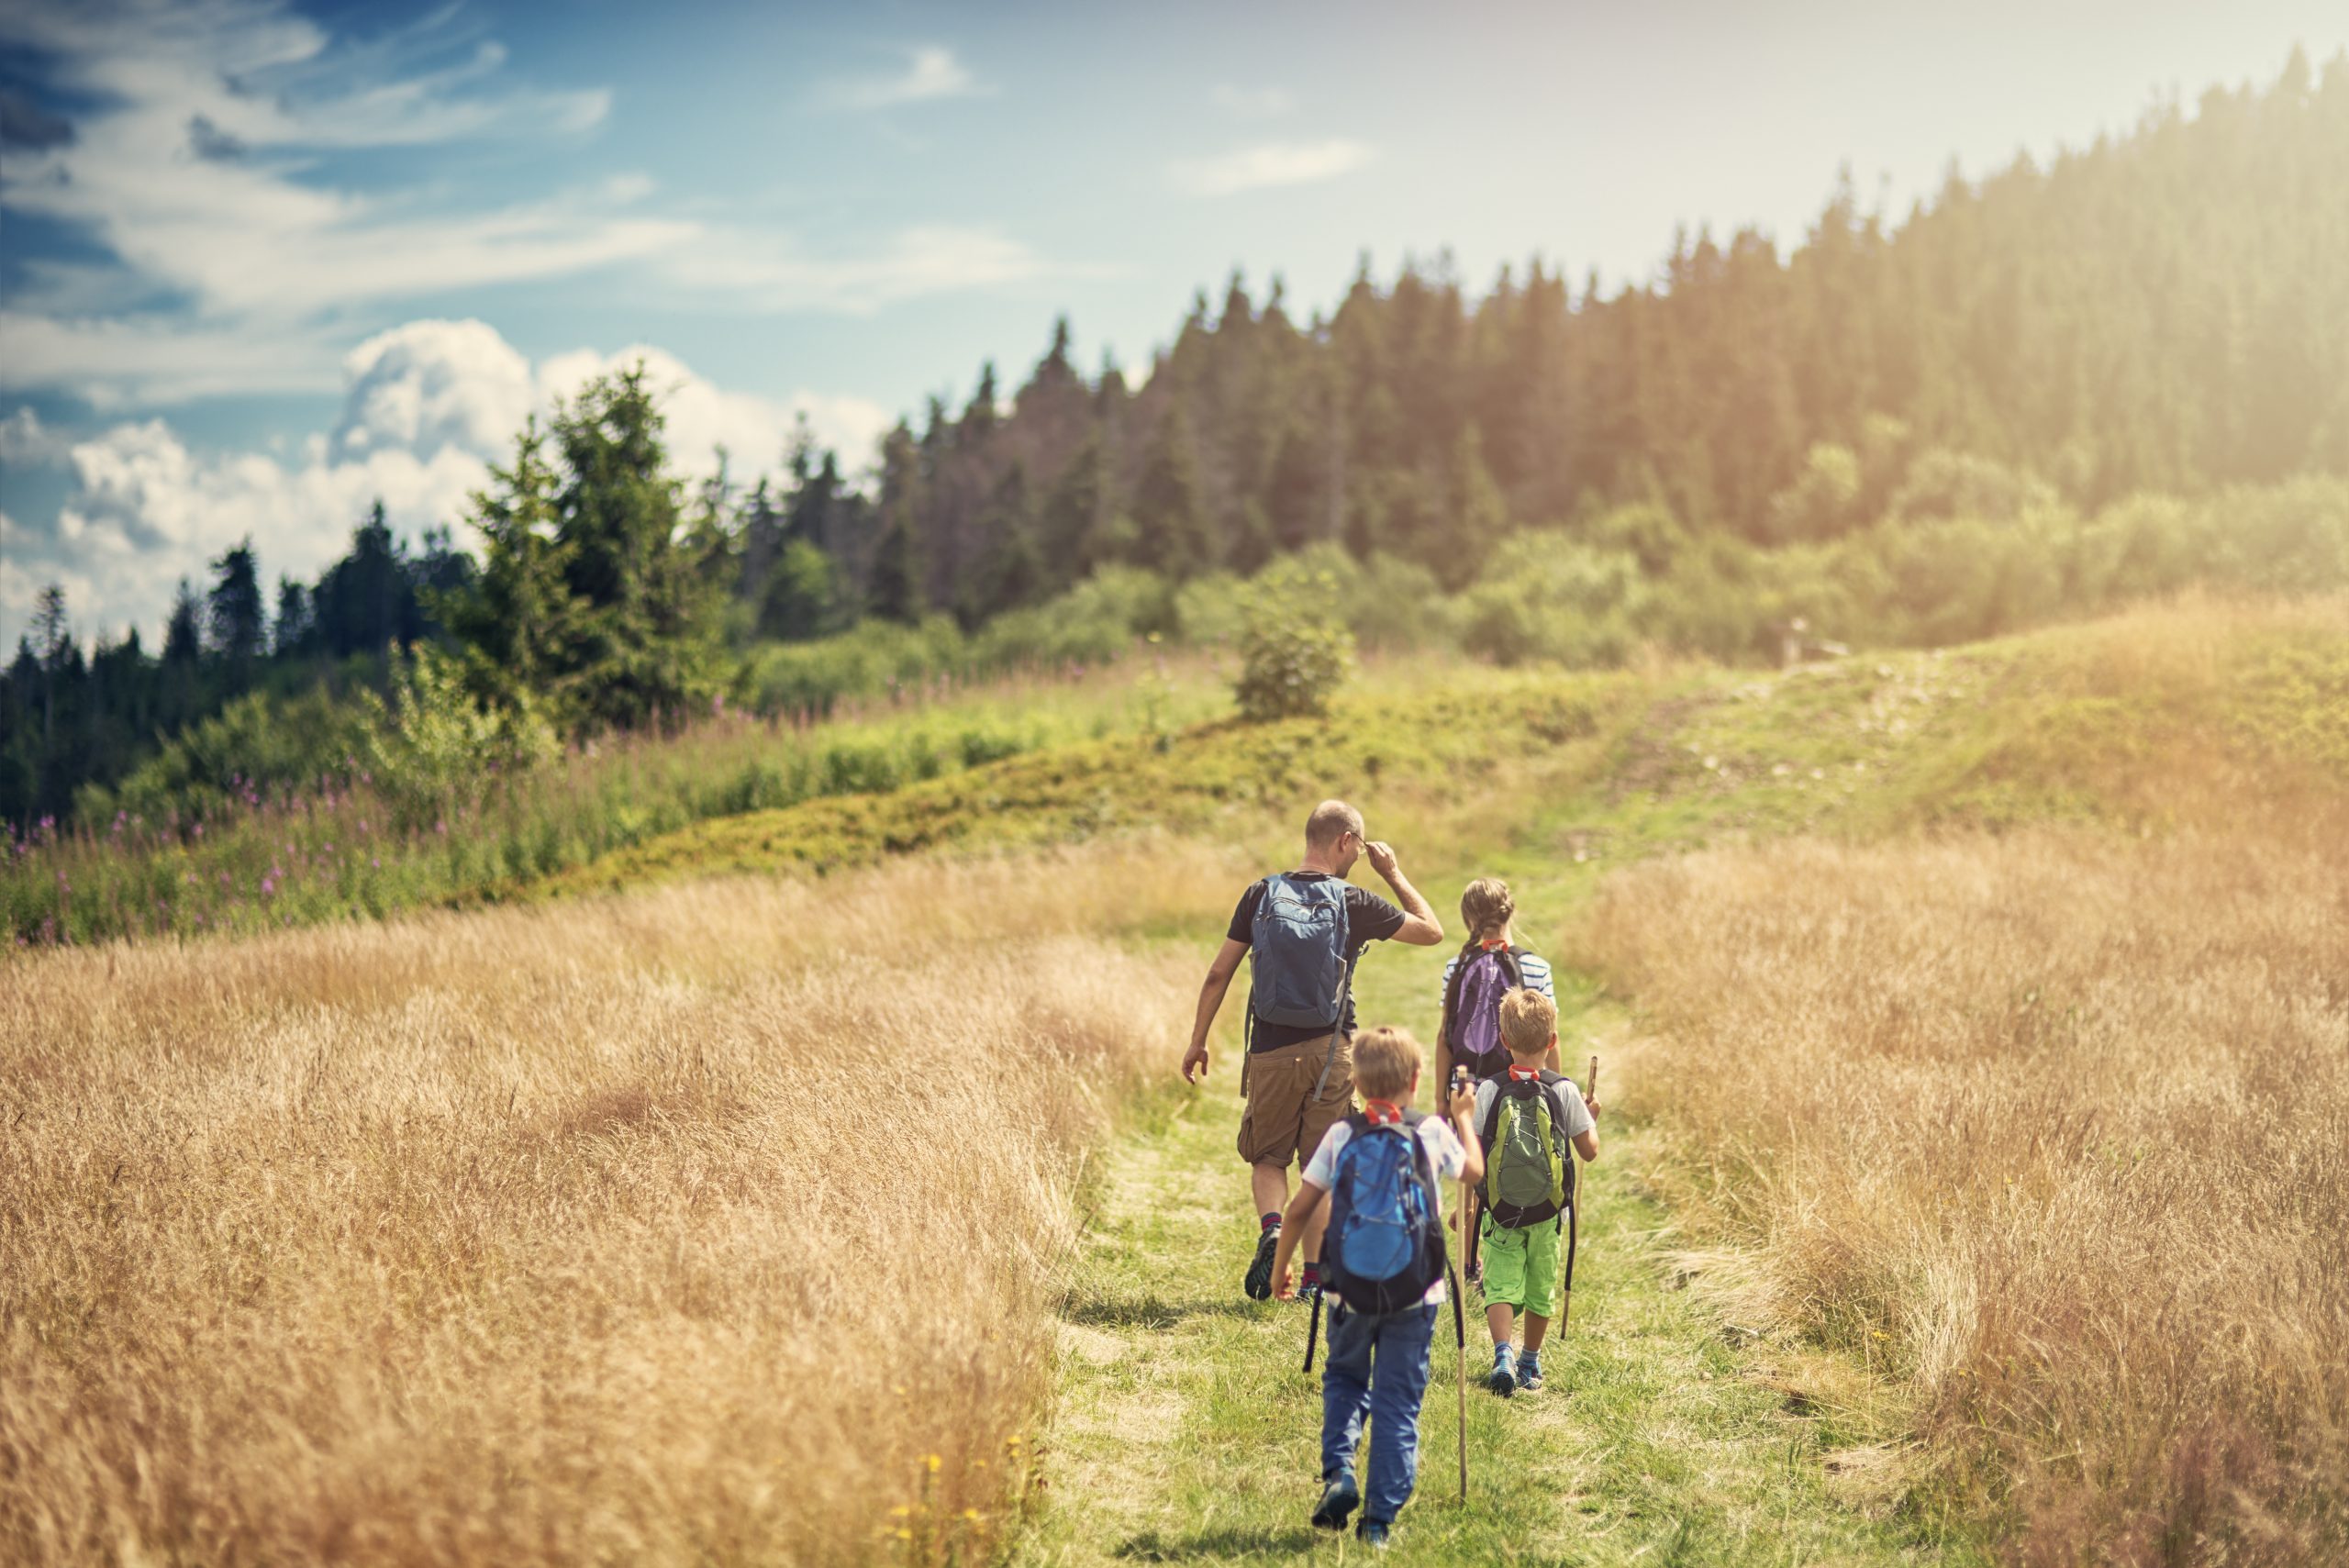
x=1297, y=952
x=1384, y=1244
x=1472, y=1009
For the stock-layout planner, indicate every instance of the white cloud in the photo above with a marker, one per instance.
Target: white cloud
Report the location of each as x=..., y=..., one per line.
x=770, y=275
x=426, y=406
x=702, y=417
x=1270, y=163
x=118, y=363
x=25, y=442
x=1252, y=103
x=230, y=260
x=427, y=385
x=191, y=169
x=930, y=73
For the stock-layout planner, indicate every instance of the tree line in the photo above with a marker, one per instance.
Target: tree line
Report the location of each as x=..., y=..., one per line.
x=2162, y=312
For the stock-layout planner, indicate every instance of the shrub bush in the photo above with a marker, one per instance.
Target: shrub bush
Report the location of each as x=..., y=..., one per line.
x=1545, y=597
x=1294, y=654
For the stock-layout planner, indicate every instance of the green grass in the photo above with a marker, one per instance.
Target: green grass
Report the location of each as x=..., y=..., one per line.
x=340, y=849
x=1187, y=1431
x=1576, y=773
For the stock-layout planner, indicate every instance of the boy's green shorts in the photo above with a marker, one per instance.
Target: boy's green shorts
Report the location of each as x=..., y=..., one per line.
x=1521, y=1266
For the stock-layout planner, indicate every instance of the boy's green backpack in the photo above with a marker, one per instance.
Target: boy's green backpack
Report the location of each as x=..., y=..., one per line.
x=1529, y=1172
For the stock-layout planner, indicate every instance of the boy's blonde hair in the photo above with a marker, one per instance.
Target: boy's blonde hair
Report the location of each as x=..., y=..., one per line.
x=1528, y=1019
x=1386, y=1062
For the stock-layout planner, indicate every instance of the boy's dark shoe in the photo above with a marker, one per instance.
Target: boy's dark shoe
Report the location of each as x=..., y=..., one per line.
x=1338, y=1498
x=1529, y=1374
x=1259, y=1282
x=1502, y=1379
x=1372, y=1533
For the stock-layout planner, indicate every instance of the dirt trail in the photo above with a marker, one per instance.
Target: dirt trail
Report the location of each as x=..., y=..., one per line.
x=1187, y=1431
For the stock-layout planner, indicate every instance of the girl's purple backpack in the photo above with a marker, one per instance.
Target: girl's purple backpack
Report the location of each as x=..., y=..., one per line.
x=1472, y=1008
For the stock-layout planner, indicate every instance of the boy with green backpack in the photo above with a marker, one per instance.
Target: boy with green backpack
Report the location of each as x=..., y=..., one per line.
x=1527, y=1119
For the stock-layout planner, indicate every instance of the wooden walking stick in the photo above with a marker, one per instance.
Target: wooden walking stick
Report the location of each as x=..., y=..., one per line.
x=1459, y=1311
x=1573, y=1211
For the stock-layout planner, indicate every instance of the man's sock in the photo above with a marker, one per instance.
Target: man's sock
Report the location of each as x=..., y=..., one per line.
x=1530, y=1361
x=1312, y=1274
x=1272, y=1221
x=1501, y=1355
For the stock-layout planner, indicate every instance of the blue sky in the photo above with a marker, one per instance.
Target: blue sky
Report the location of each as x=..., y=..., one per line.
x=261, y=263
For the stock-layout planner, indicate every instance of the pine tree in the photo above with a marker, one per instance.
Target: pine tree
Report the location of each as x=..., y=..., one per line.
x=519, y=620
x=235, y=620
x=1167, y=503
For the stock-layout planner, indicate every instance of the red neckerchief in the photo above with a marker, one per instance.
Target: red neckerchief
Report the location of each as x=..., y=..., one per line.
x=1523, y=1074
x=1496, y=945
x=1381, y=1113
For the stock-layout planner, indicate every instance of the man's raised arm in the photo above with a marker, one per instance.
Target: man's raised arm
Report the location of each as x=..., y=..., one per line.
x=1420, y=928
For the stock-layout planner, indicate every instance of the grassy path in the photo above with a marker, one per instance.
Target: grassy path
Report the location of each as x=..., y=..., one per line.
x=1188, y=1433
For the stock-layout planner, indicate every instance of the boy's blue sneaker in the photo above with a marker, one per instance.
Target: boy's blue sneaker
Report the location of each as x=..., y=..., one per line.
x=1502, y=1379
x=1338, y=1498
x=1372, y=1533
x=1528, y=1372
x=1259, y=1282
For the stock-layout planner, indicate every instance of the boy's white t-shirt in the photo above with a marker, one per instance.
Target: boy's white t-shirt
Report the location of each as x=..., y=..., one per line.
x=1445, y=1157
x=1577, y=1114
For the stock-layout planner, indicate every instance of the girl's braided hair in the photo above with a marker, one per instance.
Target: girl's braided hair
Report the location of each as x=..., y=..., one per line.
x=1486, y=907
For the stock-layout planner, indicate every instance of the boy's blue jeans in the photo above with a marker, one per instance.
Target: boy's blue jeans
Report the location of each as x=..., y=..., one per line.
x=1378, y=1367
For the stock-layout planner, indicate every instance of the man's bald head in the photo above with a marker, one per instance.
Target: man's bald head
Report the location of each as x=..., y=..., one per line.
x=1331, y=821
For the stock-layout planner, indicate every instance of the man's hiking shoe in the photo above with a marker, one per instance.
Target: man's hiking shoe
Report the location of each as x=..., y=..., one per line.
x=1310, y=1292
x=1259, y=1282
x=1502, y=1379
x=1338, y=1498
x=1529, y=1374
x=1372, y=1533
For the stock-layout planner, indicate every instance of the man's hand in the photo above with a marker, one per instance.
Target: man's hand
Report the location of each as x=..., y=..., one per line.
x=1590, y=1104
x=1382, y=858
x=1284, y=1284
x=1464, y=1098
x=1196, y=1060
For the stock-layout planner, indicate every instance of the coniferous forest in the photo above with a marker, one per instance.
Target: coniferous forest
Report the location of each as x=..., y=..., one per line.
x=2033, y=394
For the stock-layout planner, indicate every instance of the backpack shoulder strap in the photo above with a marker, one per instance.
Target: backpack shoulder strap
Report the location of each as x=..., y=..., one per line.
x=1422, y=1164
x=1451, y=990
x=1510, y=967
x=1489, y=1125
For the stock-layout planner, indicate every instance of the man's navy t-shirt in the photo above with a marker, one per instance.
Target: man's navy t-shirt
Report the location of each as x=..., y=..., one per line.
x=1369, y=918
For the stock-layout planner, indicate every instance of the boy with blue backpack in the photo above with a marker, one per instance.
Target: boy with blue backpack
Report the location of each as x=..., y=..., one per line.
x=1380, y=1171
x=1531, y=1123
x=1302, y=932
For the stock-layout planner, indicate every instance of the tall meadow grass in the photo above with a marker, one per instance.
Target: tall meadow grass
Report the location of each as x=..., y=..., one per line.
x=717, y=1223
x=2054, y=1128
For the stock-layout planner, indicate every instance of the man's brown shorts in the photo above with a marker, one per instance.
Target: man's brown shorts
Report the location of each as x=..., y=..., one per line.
x=1284, y=1121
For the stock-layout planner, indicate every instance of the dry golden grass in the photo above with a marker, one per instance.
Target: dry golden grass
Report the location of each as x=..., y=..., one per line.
x=2055, y=1126
x=683, y=1227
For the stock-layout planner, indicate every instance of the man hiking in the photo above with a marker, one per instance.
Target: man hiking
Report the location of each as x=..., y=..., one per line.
x=1302, y=931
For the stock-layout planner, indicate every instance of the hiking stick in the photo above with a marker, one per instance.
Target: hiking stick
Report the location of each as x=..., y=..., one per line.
x=1459, y=1318
x=1573, y=1213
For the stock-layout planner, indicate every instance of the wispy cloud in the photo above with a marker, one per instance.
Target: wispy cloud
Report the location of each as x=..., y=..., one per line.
x=1269, y=164
x=761, y=272
x=229, y=258
x=1252, y=103
x=930, y=73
